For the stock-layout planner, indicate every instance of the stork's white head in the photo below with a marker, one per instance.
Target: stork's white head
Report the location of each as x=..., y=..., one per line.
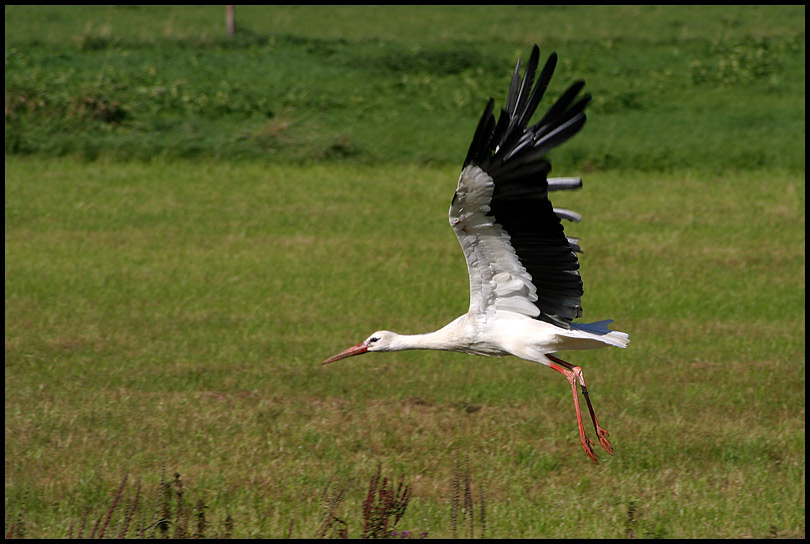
x=379, y=341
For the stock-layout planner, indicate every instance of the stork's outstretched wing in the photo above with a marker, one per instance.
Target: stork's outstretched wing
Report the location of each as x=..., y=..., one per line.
x=518, y=256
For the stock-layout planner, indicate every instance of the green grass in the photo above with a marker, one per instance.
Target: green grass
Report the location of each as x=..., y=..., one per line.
x=115, y=86
x=173, y=280
x=178, y=312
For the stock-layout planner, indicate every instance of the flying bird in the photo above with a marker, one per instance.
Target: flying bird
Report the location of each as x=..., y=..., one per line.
x=525, y=285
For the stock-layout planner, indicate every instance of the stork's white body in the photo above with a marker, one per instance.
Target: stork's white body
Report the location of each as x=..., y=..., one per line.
x=525, y=287
x=506, y=334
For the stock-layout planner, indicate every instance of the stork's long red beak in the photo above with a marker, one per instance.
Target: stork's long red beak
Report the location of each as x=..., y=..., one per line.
x=354, y=350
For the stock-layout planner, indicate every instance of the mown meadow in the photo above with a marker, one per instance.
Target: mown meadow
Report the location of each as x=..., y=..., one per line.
x=194, y=222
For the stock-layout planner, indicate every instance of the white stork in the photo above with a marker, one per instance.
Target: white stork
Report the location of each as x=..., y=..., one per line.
x=525, y=287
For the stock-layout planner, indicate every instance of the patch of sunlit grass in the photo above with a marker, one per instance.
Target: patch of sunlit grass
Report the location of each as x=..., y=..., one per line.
x=155, y=314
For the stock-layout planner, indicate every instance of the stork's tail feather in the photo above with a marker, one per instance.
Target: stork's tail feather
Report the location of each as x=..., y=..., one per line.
x=605, y=334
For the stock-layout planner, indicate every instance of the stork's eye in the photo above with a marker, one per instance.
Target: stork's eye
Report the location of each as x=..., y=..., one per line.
x=372, y=340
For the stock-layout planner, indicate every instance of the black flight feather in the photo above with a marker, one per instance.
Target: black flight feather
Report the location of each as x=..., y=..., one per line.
x=513, y=154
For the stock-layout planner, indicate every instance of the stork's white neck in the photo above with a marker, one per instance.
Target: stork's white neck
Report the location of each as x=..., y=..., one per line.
x=432, y=340
x=450, y=337
x=455, y=336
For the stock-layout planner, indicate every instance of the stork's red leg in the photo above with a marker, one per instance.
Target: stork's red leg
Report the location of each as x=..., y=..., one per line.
x=601, y=433
x=587, y=444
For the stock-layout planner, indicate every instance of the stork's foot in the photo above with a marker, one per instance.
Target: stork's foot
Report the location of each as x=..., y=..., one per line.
x=587, y=445
x=603, y=434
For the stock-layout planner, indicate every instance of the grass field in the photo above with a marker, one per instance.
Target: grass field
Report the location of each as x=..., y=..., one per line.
x=193, y=224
